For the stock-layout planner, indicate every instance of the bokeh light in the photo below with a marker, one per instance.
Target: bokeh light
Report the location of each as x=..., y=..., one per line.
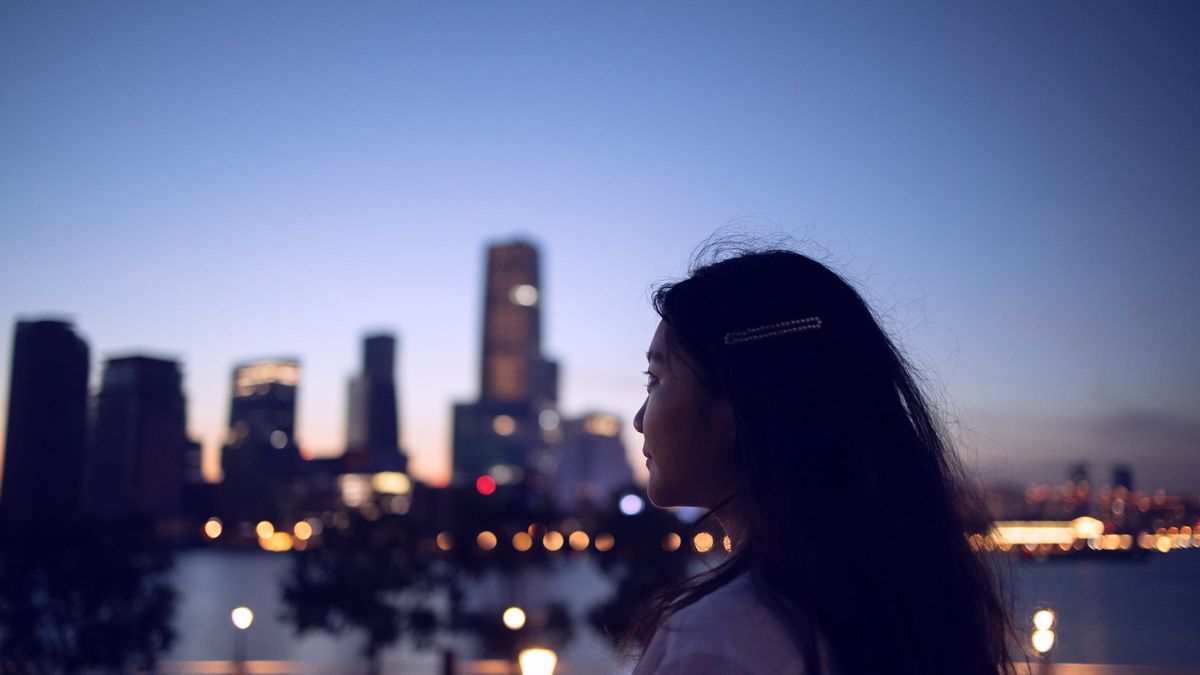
x=242, y=617
x=514, y=618
x=578, y=540
x=213, y=528
x=1043, y=619
x=522, y=541
x=302, y=530
x=486, y=485
x=631, y=505
x=486, y=540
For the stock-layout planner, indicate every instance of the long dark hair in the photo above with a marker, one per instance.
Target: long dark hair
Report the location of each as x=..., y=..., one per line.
x=851, y=503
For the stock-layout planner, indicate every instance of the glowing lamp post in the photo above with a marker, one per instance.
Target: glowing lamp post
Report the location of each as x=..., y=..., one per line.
x=1043, y=634
x=242, y=618
x=514, y=618
x=537, y=661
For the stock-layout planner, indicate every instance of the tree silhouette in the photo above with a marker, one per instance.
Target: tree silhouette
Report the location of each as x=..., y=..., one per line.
x=374, y=576
x=639, y=563
x=83, y=595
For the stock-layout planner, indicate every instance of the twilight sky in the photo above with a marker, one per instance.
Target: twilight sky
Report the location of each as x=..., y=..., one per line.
x=1016, y=187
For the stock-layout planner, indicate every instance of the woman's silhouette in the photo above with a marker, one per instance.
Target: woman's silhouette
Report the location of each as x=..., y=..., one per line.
x=775, y=400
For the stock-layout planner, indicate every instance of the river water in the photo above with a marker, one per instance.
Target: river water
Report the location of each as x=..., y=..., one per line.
x=1134, y=612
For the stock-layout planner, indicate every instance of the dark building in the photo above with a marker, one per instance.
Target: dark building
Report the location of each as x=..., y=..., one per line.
x=372, y=421
x=140, y=450
x=261, y=455
x=1122, y=476
x=591, y=461
x=1079, y=473
x=47, y=422
x=502, y=432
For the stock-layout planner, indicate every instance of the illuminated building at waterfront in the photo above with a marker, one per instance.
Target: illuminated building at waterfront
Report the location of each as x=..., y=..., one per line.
x=505, y=432
x=261, y=453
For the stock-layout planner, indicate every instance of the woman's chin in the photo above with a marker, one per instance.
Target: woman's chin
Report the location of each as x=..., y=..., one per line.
x=658, y=496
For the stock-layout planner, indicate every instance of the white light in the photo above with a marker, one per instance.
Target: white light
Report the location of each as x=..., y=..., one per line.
x=249, y=378
x=1087, y=528
x=631, y=505
x=278, y=439
x=1043, y=619
x=391, y=482
x=514, y=618
x=355, y=489
x=506, y=474
x=242, y=617
x=524, y=295
x=548, y=420
x=1043, y=640
x=537, y=661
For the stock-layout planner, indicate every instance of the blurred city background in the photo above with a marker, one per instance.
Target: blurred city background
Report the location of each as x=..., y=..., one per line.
x=339, y=314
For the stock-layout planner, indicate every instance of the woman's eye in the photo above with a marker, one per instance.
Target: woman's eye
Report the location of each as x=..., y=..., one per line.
x=651, y=380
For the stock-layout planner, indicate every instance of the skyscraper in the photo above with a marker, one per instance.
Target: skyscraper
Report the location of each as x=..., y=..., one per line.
x=261, y=449
x=503, y=432
x=1122, y=476
x=47, y=422
x=591, y=461
x=372, y=423
x=137, y=464
x=512, y=368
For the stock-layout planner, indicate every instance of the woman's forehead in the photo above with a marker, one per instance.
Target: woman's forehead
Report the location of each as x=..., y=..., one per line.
x=658, y=351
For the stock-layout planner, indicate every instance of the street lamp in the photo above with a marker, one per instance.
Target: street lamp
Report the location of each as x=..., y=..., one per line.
x=514, y=618
x=537, y=661
x=242, y=618
x=1043, y=633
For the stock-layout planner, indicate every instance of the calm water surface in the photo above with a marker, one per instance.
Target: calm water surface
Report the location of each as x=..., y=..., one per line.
x=1136, y=612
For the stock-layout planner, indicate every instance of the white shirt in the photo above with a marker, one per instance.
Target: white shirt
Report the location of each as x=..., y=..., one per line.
x=729, y=631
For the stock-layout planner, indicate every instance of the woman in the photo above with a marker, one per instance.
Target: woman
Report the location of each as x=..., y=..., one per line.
x=775, y=400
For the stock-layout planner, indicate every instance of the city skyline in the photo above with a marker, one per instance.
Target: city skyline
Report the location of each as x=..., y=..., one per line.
x=1014, y=190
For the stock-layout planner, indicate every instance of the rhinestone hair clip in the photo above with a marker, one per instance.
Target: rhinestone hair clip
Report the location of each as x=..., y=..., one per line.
x=773, y=330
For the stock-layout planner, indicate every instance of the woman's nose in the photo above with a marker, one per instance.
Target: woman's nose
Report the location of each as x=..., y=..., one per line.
x=637, y=419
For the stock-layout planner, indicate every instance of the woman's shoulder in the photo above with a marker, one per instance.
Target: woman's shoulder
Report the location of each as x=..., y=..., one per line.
x=730, y=630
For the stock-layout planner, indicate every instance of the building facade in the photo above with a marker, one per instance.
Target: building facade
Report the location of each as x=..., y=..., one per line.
x=140, y=452
x=47, y=422
x=261, y=457
x=372, y=420
x=504, y=431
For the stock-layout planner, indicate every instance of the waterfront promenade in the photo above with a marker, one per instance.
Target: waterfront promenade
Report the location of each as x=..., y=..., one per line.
x=500, y=667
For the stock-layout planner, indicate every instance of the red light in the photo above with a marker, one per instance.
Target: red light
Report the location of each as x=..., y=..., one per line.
x=486, y=485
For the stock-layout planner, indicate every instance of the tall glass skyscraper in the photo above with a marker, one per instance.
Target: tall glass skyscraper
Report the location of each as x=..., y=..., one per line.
x=513, y=369
x=503, y=433
x=47, y=422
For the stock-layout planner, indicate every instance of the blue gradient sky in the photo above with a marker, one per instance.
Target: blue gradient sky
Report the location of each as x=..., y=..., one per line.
x=1016, y=187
